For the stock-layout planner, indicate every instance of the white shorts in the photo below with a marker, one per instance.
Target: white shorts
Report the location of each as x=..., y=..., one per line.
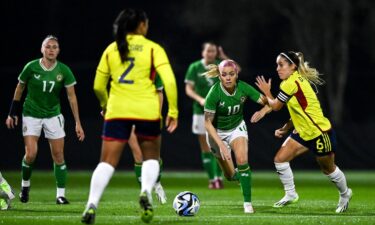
x=198, y=124
x=53, y=127
x=227, y=136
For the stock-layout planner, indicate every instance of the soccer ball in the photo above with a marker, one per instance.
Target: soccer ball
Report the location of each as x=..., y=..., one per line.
x=186, y=204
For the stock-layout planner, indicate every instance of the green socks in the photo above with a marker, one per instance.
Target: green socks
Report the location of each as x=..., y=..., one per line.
x=245, y=180
x=208, y=164
x=26, y=170
x=138, y=171
x=60, y=174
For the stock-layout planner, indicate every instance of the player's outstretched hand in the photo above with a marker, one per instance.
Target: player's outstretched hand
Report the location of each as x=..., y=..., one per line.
x=80, y=133
x=11, y=122
x=263, y=85
x=171, y=124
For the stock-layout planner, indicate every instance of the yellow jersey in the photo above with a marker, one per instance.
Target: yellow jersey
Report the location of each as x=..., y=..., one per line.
x=303, y=106
x=132, y=92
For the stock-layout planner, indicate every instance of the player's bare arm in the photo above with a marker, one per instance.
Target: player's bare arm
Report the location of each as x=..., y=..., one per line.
x=74, y=107
x=12, y=119
x=224, y=152
x=189, y=90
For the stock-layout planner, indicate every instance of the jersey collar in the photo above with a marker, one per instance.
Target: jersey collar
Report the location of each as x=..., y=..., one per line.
x=226, y=92
x=44, y=68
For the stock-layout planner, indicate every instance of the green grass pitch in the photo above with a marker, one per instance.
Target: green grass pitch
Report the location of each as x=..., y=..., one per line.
x=119, y=205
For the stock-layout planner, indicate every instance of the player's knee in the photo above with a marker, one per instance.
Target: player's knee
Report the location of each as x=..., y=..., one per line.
x=30, y=158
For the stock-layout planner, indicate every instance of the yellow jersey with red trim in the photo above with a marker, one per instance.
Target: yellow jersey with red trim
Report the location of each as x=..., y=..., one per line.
x=132, y=93
x=303, y=106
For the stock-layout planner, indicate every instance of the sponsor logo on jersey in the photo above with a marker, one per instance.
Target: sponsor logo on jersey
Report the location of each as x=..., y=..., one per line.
x=221, y=104
x=243, y=99
x=37, y=76
x=59, y=77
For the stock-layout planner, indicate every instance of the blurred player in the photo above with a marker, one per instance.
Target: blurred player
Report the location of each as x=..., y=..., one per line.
x=6, y=193
x=311, y=129
x=223, y=111
x=131, y=62
x=197, y=87
x=137, y=152
x=44, y=78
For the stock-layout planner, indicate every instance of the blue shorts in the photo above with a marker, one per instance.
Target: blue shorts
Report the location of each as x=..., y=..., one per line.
x=120, y=129
x=321, y=145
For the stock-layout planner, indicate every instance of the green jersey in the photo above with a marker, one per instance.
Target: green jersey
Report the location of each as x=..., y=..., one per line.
x=158, y=83
x=43, y=88
x=228, y=108
x=201, y=84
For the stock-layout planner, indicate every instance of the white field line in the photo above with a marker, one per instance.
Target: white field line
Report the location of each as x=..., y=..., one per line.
x=199, y=218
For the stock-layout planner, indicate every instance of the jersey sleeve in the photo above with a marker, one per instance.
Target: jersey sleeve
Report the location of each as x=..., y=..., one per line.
x=69, y=79
x=158, y=83
x=101, y=80
x=190, y=75
x=252, y=93
x=211, y=101
x=164, y=70
x=287, y=90
x=25, y=74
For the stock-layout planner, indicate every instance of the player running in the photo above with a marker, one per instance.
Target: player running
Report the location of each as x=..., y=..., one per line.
x=311, y=129
x=6, y=193
x=44, y=78
x=137, y=152
x=197, y=87
x=131, y=62
x=225, y=126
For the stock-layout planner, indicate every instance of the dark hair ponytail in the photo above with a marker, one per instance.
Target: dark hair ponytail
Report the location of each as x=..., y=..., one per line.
x=127, y=21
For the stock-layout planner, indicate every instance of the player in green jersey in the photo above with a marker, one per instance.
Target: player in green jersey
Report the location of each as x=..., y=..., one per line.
x=6, y=193
x=137, y=152
x=226, y=128
x=44, y=78
x=197, y=87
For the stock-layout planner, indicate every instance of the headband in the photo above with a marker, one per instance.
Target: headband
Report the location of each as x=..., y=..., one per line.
x=287, y=57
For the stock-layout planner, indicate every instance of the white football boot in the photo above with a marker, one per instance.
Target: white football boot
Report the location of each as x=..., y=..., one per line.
x=344, y=201
x=160, y=194
x=248, y=207
x=286, y=200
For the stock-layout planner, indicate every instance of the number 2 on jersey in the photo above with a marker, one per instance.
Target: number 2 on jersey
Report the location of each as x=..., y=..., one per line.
x=126, y=72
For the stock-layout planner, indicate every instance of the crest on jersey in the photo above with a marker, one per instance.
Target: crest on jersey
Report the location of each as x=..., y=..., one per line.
x=243, y=99
x=59, y=77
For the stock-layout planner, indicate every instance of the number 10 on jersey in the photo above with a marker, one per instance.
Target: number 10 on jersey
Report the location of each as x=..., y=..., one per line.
x=234, y=110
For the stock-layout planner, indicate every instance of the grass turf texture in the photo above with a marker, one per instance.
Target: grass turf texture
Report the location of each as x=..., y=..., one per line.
x=119, y=205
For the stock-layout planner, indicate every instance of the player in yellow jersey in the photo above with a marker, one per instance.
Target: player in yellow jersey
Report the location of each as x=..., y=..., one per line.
x=131, y=62
x=312, y=130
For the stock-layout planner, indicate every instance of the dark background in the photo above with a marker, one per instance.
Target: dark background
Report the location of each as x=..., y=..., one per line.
x=336, y=36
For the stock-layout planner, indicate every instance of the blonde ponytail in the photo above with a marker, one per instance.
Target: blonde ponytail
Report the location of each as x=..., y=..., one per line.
x=308, y=72
x=213, y=71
